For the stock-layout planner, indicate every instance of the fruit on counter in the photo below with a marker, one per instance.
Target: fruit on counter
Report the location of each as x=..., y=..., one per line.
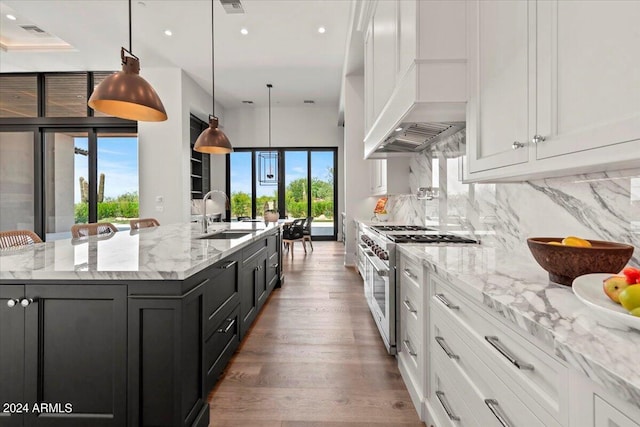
x=632, y=274
x=635, y=312
x=576, y=241
x=555, y=243
x=613, y=286
x=630, y=297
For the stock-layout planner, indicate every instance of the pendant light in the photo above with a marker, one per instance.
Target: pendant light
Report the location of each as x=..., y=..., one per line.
x=268, y=173
x=126, y=94
x=212, y=140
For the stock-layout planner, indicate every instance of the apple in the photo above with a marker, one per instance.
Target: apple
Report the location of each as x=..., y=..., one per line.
x=632, y=274
x=630, y=297
x=635, y=312
x=613, y=286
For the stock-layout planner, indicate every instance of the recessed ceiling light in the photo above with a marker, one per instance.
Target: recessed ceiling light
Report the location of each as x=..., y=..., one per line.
x=168, y=33
x=244, y=31
x=322, y=30
x=11, y=17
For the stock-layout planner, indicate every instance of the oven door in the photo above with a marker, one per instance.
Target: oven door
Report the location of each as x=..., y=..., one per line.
x=381, y=282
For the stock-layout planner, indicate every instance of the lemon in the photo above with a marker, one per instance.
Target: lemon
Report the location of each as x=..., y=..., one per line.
x=576, y=241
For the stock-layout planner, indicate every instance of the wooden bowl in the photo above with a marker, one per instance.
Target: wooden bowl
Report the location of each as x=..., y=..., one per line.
x=565, y=263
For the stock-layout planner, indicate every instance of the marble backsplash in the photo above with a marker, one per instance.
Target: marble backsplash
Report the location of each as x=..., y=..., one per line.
x=602, y=206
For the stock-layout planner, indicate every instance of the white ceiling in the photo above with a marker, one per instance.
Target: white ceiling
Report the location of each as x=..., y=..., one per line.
x=283, y=46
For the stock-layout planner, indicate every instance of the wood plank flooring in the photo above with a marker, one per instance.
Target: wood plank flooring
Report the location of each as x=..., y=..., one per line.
x=314, y=357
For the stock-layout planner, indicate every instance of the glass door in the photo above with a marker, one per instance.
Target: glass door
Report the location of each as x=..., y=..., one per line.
x=296, y=193
x=322, y=193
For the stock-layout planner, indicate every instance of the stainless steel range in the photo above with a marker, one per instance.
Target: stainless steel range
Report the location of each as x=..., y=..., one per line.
x=377, y=265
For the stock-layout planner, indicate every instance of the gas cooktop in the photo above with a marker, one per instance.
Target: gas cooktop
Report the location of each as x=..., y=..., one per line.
x=401, y=228
x=429, y=238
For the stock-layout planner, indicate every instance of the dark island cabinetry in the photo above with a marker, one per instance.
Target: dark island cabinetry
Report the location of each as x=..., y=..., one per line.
x=132, y=353
x=63, y=350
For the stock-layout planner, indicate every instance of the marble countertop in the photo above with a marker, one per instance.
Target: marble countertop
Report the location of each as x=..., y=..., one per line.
x=518, y=290
x=168, y=252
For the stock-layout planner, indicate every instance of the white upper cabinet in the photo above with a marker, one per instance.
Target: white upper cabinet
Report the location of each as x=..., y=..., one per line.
x=554, y=87
x=415, y=65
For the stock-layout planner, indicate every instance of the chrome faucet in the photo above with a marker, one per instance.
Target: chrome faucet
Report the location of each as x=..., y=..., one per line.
x=204, y=207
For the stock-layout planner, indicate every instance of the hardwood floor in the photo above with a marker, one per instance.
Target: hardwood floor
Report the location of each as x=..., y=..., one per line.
x=314, y=357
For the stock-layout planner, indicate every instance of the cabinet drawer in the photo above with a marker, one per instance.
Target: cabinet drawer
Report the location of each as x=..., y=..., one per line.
x=272, y=271
x=272, y=244
x=252, y=251
x=221, y=292
x=449, y=400
x=607, y=415
x=221, y=344
x=410, y=270
x=411, y=308
x=537, y=378
x=488, y=398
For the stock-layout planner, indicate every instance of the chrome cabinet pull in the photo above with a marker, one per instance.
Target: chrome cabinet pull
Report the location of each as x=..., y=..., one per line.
x=495, y=343
x=409, y=274
x=446, y=302
x=274, y=265
x=228, y=265
x=407, y=345
x=445, y=406
x=25, y=302
x=229, y=326
x=12, y=302
x=446, y=349
x=408, y=305
x=537, y=139
x=496, y=410
x=517, y=145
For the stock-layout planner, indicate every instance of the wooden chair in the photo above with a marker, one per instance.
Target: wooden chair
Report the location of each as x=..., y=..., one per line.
x=306, y=232
x=92, y=229
x=13, y=238
x=292, y=233
x=137, y=224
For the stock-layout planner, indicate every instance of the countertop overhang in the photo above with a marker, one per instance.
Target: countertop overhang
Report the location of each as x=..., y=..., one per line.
x=167, y=252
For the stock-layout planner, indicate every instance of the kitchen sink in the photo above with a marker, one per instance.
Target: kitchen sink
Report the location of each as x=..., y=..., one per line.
x=226, y=235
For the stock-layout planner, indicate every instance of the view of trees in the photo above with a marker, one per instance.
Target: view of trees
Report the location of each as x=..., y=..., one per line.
x=296, y=199
x=113, y=209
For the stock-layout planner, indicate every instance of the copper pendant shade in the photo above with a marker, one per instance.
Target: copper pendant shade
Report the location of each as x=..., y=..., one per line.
x=213, y=140
x=127, y=95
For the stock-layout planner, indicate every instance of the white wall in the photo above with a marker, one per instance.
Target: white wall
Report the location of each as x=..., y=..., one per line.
x=358, y=202
x=64, y=184
x=304, y=126
x=16, y=180
x=164, y=147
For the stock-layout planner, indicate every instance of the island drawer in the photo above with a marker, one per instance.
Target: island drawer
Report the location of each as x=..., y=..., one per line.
x=535, y=377
x=272, y=244
x=410, y=270
x=250, y=252
x=220, y=345
x=221, y=291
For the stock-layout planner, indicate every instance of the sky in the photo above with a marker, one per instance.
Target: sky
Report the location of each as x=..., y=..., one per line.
x=117, y=159
x=295, y=168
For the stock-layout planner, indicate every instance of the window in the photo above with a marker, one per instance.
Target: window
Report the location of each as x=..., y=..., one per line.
x=65, y=95
x=16, y=181
x=18, y=95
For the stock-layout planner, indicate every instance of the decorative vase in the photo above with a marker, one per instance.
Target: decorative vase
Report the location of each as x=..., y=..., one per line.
x=271, y=216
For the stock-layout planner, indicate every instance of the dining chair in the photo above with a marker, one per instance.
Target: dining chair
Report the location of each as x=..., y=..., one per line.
x=293, y=232
x=306, y=231
x=92, y=229
x=139, y=223
x=14, y=238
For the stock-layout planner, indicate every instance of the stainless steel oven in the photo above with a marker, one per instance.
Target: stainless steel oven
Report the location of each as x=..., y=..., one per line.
x=377, y=265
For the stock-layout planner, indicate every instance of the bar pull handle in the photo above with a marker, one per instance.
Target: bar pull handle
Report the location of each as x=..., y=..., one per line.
x=446, y=407
x=496, y=410
x=229, y=326
x=446, y=349
x=228, y=265
x=407, y=345
x=495, y=343
x=409, y=307
x=446, y=302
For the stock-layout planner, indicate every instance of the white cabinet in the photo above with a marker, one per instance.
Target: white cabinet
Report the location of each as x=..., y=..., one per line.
x=551, y=92
x=389, y=176
x=384, y=53
x=413, y=330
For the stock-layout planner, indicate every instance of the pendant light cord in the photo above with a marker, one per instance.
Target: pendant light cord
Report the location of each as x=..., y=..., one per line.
x=213, y=81
x=130, y=38
x=269, y=86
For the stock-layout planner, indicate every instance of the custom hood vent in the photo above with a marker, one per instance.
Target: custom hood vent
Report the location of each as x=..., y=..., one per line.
x=414, y=137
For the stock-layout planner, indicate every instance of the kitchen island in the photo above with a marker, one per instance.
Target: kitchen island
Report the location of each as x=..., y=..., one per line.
x=131, y=329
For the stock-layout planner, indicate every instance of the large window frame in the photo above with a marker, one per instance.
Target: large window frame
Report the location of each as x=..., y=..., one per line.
x=281, y=183
x=41, y=124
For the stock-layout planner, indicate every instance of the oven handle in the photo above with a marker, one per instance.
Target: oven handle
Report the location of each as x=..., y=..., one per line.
x=378, y=265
